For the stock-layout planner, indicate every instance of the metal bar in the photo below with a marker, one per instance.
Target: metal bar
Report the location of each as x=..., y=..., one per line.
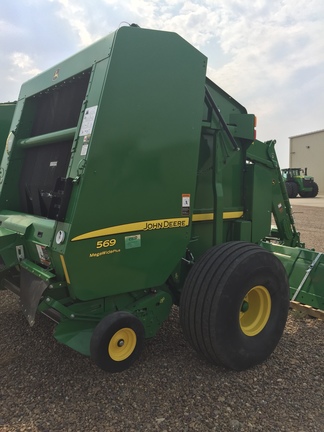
x=310, y=268
x=218, y=196
x=49, y=138
x=50, y=303
x=35, y=269
x=53, y=315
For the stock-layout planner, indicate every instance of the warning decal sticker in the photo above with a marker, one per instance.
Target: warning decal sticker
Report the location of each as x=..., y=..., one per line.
x=88, y=120
x=185, y=210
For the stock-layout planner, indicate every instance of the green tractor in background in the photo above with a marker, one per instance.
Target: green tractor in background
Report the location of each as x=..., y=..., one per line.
x=298, y=182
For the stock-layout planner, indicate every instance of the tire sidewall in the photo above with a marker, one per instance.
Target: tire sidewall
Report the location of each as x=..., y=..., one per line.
x=103, y=334
x=226, y=325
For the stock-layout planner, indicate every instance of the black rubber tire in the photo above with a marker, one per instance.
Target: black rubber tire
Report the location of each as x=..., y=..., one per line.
x=289, y=188
x=107, y=328
x=212, y=298
x=314, y=192
x=294, y=190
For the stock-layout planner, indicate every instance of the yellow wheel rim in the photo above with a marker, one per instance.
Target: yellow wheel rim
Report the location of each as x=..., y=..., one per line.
x=122, y=344
x=255, y=310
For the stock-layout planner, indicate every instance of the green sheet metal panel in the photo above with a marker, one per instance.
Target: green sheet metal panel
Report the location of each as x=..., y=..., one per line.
x=70, y=67
x=258, y=193
x=305, y=270
x=139, y=160
x=28, y=109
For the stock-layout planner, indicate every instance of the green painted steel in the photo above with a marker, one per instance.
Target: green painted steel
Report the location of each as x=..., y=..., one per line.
x=305, y=269
x=126, y=165
x=50, y=138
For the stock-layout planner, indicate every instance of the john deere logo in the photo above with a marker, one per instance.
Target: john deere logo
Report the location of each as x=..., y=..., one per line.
x=56, y=74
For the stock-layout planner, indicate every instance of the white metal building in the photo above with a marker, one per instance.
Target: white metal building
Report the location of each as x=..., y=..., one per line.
x=307, y=151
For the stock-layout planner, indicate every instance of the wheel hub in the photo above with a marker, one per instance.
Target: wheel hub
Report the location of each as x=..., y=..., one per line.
x=255, y=310
x=245, y=306
x=122, y=344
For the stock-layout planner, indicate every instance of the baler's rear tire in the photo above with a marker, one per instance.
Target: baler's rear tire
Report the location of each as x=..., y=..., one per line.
x=117, y=341
x=234, y=305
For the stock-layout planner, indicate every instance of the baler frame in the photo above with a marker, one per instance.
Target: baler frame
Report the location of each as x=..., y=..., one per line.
x=96, y=233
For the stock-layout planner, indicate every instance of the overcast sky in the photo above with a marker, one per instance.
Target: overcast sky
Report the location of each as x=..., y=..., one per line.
x=267, y=54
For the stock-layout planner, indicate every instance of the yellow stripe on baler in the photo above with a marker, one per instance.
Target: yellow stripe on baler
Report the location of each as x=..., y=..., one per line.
x=154, y=225
x=66, y=274
x=136, y=226
x=201, y=217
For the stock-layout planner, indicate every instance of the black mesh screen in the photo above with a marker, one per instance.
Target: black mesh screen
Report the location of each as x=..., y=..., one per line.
x=59, y=108
x=43, y=183
x=42, y=167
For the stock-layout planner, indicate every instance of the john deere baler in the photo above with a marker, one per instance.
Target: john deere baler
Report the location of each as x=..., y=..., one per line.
x=131, y=182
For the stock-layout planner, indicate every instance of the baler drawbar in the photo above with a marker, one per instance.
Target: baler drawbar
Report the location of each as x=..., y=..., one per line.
x=130, y=183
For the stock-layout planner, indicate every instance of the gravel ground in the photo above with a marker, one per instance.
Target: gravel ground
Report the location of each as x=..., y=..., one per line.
x=46, y=386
